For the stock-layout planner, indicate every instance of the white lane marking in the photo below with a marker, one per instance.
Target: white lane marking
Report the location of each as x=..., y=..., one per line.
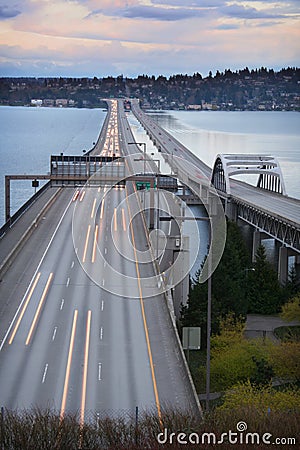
x=68, y=282
x=76, y=250
x=72, y=265
x=102, y=305
x=62, y=303
x=99, y=371
x=105, y=251
x=45, y=373
x=54, y=333
x=101, y=333
x=34, y=275
x=103, y=282
x=104, y=264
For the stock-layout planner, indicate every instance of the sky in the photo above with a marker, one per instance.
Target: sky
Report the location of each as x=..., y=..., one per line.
x=87, y=38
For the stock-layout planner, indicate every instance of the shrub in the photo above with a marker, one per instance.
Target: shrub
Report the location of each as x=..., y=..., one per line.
x=285, y=359
x=263, y=398
x=291, y=309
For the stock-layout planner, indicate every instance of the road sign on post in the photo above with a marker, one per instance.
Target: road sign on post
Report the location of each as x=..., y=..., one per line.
x=191, y=339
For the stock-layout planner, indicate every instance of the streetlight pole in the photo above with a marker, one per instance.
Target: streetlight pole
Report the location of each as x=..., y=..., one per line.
x=208, y=338
x=157, y=214
x=209, y=290
x=144, y=144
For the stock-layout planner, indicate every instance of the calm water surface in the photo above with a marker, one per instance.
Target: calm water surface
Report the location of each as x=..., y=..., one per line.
x=270, y=133
x=30, y=135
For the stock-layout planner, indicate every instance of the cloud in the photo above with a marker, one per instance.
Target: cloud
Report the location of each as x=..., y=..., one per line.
x=109, y=37
x=227, y=26
x=191, y=3
x=7, y=12
x=178, y=10
x=152, y=13
x=247, y=12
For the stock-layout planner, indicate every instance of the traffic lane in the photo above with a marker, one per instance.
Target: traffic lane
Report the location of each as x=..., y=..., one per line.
x=46, y=366
x=281, y=206
x=12, y=359
x=17, y=279
x=172, y=383
x=120, y=391
x=121, y=338
x=47, y=350
x=53, y=263
x=34, y=319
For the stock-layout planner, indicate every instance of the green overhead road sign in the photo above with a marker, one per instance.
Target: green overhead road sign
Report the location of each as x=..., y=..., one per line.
x=143, y=185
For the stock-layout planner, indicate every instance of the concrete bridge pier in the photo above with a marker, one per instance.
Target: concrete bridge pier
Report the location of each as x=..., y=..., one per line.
x=283, y=264
x=231, y=210
x=284, y=253
x=297, y=266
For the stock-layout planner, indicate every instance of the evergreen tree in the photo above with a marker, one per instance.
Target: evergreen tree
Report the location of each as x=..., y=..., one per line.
x=265, y=295
x=228, y=287
x=292, y=286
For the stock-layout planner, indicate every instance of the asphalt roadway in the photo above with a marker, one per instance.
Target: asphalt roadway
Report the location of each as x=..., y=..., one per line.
x=84, y=325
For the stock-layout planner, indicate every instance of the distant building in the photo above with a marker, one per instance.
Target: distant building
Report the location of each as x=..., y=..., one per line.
x=61, y=102
x=48, y=102
x=194, y=107
x=209, y=106
x=36, y=102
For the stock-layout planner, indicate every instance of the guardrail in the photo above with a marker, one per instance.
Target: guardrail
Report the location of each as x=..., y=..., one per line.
x=22, y=209
x=8, y=260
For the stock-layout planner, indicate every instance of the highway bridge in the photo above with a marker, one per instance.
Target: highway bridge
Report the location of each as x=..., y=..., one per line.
x=265, y=207
x=85, y=321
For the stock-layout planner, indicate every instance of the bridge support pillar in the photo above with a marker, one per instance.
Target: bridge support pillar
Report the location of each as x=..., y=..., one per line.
x=297, y=266
x=231, y=210
x=283, y=264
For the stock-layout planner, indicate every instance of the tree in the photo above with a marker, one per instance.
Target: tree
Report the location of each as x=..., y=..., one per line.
x=292, y=286
x=228, y=287
x=235, y=358
x=264, y=293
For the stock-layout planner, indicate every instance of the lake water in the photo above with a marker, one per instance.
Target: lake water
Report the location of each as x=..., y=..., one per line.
x=30, y=135
x=208, y=133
